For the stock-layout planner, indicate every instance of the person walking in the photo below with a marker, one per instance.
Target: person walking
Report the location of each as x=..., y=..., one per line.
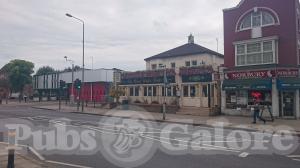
x=256, y=113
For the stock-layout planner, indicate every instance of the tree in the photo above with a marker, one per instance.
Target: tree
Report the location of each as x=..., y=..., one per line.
x=116, y=92
x=19, y=74
x=45, y=70
x=4, y=86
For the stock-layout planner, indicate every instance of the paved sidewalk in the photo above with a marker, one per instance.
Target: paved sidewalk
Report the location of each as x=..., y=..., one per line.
x=22, y=160
x=232, y=122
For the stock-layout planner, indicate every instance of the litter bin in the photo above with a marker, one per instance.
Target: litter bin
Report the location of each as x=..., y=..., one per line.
x=125, y=105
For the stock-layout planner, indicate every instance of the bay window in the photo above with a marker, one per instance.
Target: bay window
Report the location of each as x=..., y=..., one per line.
x=255, y=53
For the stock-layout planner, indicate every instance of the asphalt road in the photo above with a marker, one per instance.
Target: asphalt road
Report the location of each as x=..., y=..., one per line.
x=80, y=140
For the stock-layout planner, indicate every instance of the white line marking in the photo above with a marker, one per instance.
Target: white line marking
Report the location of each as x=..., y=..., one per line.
x=297, y=160
x=36, y=153
x=293, y=156
x=66, y=164
x=244, y=154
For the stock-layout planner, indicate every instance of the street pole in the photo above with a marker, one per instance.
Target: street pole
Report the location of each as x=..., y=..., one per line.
x=165, y=87
x=82, y=80
x=72, y=89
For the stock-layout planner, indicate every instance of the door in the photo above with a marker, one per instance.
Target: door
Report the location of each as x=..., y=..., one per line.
x=288, y=104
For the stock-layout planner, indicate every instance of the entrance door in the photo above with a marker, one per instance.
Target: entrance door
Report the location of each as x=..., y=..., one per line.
x=288, y=104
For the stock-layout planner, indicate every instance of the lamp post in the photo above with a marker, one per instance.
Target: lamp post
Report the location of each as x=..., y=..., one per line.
x=165, y=90
x=72, y=90
x=82, y=88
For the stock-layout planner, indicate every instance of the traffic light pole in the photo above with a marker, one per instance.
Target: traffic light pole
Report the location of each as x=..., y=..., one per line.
x=59, y=99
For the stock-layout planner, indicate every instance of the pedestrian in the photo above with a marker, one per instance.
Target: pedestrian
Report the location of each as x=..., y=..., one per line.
x=256, y=113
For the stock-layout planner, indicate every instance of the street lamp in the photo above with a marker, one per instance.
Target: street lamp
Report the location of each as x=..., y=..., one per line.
x=82, y=88
x=165, y=90
x=72, y=90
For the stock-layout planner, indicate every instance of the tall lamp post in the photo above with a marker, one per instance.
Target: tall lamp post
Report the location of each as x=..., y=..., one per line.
x=165, y=90
x=72, y=90
x=82, y=80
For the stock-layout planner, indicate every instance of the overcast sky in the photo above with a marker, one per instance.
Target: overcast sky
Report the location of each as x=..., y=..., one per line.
x=119, y=33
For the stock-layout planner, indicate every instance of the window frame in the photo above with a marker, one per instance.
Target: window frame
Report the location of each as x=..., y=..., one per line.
x=240, y=27
x=261, y=42
x=188, y=62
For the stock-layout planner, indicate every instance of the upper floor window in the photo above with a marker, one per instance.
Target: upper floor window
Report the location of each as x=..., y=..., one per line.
x=153, y=66
x=255, y=53
x=187, y=63
x=257, y=19
x=173, y=65
x=194, y=63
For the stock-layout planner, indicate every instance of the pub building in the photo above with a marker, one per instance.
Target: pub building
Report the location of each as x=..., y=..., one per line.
x=191, y=74
x=261, y=57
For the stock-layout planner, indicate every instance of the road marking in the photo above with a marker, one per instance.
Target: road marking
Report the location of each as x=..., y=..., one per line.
x=36, y=153
x=244, y=154
x=297, y=160
x=66, y=164
x=294, y=156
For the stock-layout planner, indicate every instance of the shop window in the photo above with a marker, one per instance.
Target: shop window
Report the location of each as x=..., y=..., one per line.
x=186, y=91
x=150, y=91
x=204, y=91
x=131, y=91
x=231, y=99
x=174, y=91
x=163, y=91
x=145, y=91
x=154, y=91
x=192, y=91
x=136, y=91
x=169, y=91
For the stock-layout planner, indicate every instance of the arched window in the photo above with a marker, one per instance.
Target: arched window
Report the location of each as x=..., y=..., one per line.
x=257, y=19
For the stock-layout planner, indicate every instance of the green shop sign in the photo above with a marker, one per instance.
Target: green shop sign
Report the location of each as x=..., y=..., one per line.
x=197, y=78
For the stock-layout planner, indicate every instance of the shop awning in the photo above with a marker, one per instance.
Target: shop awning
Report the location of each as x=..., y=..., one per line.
x=288, y=83
x=247, y=84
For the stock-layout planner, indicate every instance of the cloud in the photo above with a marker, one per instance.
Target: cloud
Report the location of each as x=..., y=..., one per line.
x=118, y=33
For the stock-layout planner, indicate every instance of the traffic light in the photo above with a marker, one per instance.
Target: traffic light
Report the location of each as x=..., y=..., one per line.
x=77, y=84
x=62, y=84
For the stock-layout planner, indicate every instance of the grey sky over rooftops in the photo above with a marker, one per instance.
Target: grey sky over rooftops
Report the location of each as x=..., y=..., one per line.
x=119, y=33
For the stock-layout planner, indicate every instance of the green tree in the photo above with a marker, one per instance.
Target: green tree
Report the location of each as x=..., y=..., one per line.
x=45, y=70
x=19, y=74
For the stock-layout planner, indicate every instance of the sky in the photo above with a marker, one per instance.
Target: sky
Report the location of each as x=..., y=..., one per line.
x=118, y=33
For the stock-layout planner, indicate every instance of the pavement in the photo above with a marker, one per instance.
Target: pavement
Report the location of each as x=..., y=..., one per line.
x=230, y=122
x=22, y=159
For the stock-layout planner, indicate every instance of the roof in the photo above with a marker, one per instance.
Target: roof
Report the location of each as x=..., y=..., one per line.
x=185, y=50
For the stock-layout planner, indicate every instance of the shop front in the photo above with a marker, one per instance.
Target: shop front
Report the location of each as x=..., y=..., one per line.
x=277, y=89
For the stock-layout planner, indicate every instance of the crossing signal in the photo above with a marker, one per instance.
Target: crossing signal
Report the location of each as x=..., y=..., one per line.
x=62, y=84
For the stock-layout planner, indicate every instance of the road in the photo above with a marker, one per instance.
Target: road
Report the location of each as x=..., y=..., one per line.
x=80, y=140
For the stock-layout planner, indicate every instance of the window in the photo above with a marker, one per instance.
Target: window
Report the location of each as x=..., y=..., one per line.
x=145, y=91
x=192, y=91
x=131, y=91
x=169, y=91
x=257, y=19
x=194, y=63
x=153, y=66
x=186, y=91
x=154, y=91
x=255, y=53
x=160, y=66
x=173, y=65
x=136, y=91
x=187, y=63
x=174, y=91
x=150, y=91
x=204, y=91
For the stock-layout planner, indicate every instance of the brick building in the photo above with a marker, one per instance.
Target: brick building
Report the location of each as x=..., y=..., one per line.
x=261, y=56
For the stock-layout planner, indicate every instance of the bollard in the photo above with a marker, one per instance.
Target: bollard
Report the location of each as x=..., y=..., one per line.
x=11, y=158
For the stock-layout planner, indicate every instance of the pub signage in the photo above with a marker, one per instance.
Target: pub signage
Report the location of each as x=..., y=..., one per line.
x=262, y=74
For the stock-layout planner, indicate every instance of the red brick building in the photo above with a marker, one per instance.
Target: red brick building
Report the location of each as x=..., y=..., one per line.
x=262, y=57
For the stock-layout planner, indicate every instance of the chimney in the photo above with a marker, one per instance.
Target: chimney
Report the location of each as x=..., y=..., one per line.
x=191, y=39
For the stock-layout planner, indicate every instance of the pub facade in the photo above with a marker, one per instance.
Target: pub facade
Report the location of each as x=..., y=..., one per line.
x=192, y=78
x=261, y=57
